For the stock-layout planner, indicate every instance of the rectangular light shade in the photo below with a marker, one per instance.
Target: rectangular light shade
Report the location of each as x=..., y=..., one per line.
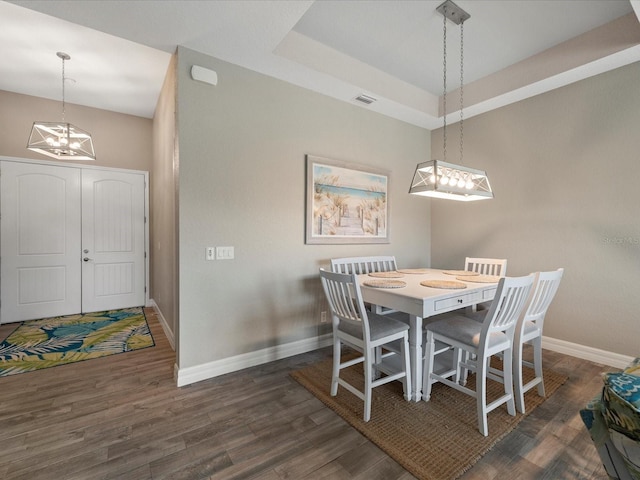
x=61, y=141
x=449, y=181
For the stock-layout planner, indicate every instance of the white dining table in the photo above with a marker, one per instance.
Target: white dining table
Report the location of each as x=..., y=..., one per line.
x=421, y=303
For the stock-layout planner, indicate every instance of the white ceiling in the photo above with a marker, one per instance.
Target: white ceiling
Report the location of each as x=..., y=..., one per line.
x=391, y=50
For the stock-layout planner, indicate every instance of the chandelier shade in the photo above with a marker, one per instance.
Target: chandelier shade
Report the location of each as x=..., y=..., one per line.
x=61, y=140
x=448, y=181
x=437, y=178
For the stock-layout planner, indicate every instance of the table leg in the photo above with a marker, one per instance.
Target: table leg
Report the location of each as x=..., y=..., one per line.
x=415, y=349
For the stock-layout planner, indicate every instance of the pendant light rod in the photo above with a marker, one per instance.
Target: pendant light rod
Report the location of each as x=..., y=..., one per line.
x=63, y=56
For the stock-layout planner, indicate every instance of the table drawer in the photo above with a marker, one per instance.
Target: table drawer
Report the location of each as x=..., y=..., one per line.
x=489, y=294
x=458, y=301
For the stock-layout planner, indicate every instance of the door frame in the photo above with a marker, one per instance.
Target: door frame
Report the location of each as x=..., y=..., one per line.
x=111, y=169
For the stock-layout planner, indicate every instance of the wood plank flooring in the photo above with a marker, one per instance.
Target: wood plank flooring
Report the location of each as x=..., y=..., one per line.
x=122, y=417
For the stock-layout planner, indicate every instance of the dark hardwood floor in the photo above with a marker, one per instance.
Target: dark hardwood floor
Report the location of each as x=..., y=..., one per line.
x=122, y=417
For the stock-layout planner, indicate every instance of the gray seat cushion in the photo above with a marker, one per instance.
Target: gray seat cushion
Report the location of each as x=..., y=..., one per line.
x=379, y=326
x=530, y=327
x=466, y=331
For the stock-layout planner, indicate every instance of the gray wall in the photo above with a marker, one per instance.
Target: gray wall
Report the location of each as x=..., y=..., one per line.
x=242, y=184
x=564, y=168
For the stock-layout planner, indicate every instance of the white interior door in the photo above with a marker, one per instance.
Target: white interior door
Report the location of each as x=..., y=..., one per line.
x=113, y=240
x=40, y=247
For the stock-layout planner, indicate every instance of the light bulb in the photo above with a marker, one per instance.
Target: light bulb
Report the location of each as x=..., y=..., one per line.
x=444, y=180
x=469, y=185
x=461, y=183
x=432, y=179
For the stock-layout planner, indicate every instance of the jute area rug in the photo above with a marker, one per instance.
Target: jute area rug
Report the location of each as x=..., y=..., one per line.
x=50, y=342
x=435, y=440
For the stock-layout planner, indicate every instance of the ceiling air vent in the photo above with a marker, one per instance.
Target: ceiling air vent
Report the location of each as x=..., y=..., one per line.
x=366, y=99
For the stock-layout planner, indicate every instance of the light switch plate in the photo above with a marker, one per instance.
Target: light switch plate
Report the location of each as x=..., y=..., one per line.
x=225, y=253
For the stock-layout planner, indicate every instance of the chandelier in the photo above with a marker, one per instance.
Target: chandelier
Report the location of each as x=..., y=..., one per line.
x=61, y=140
x=441, y=179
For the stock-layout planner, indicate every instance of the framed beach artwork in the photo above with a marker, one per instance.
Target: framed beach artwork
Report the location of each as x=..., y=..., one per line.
x=346, y=203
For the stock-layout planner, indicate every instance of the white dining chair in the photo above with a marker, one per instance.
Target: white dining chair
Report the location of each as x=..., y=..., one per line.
x=359, y=265
x=479, y=340
x=371, y=264
x=529, y=331
x=486, y=266
x=354, y=326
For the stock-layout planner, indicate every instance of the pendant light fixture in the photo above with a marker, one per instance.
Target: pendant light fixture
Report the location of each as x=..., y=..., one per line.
x=441, y=179
x=61, y=140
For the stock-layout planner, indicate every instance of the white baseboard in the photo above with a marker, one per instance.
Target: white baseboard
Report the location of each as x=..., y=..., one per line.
x=587, y=353
x=163, y=323
x=186, y=376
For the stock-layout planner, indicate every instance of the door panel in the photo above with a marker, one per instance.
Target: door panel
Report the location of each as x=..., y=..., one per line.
x=113, y=262
x=40, y=225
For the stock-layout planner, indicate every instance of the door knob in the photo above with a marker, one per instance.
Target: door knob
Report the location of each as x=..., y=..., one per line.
x=86, y=259
x=86, y=250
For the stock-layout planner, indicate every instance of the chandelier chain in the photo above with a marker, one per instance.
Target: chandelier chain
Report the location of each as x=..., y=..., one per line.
x=444, y=79
x=461, y=90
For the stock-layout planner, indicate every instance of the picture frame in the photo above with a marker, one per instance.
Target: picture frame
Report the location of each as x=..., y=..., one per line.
x=346, y=203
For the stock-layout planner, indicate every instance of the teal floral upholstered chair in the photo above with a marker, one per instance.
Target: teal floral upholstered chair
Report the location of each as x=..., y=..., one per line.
x=613, y=421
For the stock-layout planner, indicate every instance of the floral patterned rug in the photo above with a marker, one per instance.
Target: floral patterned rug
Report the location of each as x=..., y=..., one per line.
x=50, y=342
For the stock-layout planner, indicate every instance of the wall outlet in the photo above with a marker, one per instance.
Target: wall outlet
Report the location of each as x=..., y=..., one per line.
x=323, y=317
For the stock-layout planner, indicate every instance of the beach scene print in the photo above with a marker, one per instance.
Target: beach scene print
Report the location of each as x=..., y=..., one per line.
x=348, y=203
